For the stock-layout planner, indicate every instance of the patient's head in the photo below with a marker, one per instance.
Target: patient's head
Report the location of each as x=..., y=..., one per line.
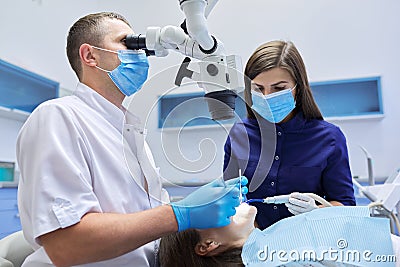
x=210, y=247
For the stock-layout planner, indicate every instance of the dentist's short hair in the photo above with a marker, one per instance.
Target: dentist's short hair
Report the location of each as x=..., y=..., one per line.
x=90, y=29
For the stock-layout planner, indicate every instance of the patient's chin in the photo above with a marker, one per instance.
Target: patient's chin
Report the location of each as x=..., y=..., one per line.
x=245, y=212
x=253, y=210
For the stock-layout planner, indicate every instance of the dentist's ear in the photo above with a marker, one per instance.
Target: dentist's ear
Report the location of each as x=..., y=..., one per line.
x=86, y=55
x=205, y=247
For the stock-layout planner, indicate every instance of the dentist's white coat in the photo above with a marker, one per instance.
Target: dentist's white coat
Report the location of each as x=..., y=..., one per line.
x=73, y=154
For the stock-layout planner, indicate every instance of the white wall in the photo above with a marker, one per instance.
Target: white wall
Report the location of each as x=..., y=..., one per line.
x=338, y=40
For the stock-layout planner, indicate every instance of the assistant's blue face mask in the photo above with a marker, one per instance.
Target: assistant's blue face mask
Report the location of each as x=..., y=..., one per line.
x=273, y=107
x=132, y=73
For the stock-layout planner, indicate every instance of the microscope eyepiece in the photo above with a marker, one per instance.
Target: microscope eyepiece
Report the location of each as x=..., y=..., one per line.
x=137, y=41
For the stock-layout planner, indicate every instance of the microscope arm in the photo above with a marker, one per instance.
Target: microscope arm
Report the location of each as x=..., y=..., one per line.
x=196, y=12
x=192, y=39
x=160, y=40
x=219, y=76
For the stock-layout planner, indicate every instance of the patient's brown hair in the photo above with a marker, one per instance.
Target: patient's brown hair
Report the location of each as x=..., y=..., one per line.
x=177, y=250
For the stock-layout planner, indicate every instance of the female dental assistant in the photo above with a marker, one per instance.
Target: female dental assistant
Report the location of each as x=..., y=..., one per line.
x=284, y=145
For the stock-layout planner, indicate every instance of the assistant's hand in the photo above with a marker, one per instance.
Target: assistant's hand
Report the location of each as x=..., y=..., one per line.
x=210, y=206
x=300, y=203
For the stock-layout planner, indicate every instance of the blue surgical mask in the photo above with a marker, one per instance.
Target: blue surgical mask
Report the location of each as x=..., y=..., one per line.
x=273, y=107
x=131, y=74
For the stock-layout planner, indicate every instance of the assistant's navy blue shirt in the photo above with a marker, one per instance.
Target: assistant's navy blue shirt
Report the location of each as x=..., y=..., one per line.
x=300, y=155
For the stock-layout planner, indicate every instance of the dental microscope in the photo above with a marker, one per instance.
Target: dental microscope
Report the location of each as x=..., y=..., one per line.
x=220, y=74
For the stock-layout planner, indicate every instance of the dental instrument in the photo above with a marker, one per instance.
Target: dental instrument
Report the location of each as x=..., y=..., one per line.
x=282, y=199
x=240, y=188
x=385, y=199
x=371, y=178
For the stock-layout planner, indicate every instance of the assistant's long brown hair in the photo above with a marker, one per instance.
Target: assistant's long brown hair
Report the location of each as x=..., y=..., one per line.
x=177, y=250
x=281, y=54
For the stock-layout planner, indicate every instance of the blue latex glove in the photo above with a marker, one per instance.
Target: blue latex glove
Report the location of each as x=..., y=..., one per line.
x=209, y=206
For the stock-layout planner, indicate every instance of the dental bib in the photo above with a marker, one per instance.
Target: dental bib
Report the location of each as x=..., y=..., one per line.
x=334, y=236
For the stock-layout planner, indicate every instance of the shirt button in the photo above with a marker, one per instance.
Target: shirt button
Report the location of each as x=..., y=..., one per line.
x=272, y=183
x=276, y=157
x=279, y=133
x=275, y=207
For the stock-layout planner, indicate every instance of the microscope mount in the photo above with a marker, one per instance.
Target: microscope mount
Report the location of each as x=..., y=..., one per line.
x=219, y=75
